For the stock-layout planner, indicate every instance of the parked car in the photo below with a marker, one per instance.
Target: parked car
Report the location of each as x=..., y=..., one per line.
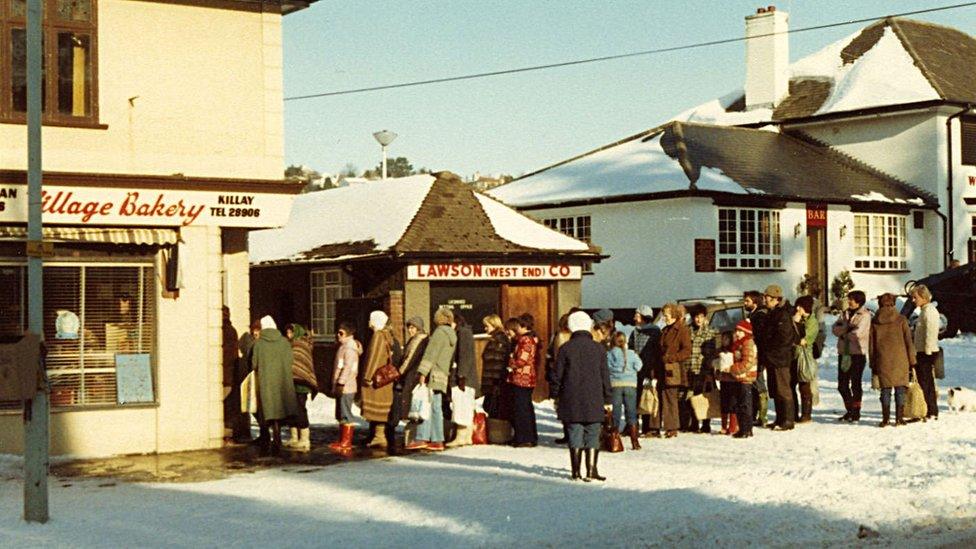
x=954, y=292
x=723, y=312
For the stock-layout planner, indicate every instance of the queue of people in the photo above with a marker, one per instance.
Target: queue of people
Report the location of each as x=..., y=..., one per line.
x=655, y=382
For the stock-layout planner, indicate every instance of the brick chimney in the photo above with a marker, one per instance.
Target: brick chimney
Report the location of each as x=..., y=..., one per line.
x=767, y=58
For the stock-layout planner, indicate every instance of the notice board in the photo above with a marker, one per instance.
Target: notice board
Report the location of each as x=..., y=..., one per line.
x=133, y=378
x=704, y=255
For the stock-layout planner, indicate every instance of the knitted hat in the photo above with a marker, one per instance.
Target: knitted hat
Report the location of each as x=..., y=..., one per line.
x=579, y=321
x=416, y=322
x=773, y=290
x=744, y=326
x=645, y=311
x=268, y=322
x=377, y=320
x=603, y=315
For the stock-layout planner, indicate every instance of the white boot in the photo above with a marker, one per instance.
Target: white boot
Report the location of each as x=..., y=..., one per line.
x=304, y=441
x=292, y=441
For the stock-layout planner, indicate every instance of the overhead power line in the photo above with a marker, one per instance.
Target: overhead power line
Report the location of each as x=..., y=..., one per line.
x=618, y=56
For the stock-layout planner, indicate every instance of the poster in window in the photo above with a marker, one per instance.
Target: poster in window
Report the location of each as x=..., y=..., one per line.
x=704, y=255
x=133, y=378
x=473, y=302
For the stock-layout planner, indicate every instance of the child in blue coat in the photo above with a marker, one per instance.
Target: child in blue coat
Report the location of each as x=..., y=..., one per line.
x=624, y=364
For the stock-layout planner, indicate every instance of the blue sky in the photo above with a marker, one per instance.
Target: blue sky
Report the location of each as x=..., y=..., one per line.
x=518, y=123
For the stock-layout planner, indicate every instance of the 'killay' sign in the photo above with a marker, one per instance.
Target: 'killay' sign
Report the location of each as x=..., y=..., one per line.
x=147, y=207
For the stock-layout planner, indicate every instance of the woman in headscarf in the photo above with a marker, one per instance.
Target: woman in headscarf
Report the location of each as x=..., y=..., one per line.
x=271, y=358
x=377, y=402
x=404, y=386
x=303, y=376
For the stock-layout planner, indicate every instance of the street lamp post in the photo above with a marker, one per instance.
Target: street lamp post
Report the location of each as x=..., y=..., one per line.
x=384, y=138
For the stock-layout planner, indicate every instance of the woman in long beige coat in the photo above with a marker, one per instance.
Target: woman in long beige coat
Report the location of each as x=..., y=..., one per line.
x=377, y=402
x=891, y=352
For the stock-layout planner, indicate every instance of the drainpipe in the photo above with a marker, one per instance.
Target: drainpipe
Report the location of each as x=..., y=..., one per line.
x=948, y=250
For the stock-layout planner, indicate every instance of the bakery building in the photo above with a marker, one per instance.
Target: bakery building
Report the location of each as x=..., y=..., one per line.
x=146, y=210
x=408, y=246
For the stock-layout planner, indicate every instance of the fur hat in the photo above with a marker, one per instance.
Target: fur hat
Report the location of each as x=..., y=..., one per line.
x=773, y=290
x=744, y=326
x=645, y=311
x=377, y=320
x=416, y=322
x=579, y=321
x=267, y=322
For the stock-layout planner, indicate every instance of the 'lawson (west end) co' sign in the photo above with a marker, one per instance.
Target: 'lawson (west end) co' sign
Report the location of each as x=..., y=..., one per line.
x=480, y=271
x=147, y=207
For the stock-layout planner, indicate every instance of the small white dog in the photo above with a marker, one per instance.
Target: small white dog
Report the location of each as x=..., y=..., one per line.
x=962, y=399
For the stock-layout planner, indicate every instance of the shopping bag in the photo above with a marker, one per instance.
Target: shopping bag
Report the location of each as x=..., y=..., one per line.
x=462, y=403
x=939, y=364
x=807, y=368
x=610, y=439
x=707, y=405
x=915, y=407
x=479, y=433
x=249, y=394
x=648, y=404
x=499, y=431
x=419, y=404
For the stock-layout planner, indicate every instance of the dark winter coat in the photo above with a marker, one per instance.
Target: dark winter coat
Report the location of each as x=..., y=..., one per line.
x=891, y=348
x=758, y=319
x=403, y=388
x=650, y=352
x=779, y=337
x=581, y=380
x=494, y=361
x=271, y=358
x=466, y=366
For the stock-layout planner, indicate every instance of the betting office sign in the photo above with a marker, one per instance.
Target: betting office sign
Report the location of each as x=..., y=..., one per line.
x=146, y=207
x=480, y=271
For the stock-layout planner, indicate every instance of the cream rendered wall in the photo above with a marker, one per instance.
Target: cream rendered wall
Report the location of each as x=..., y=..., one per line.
x=651, y=249
x=206, y=96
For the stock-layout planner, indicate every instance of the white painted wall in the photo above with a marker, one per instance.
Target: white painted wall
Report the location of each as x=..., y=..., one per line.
x=651, y=249
x=207, y=85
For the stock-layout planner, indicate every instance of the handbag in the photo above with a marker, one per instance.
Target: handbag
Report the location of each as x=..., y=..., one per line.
x=915, y=407
x=610, y=439
x=648, y=405
x=939, y=364
x=707, y=405
x=479, y=431
x=806, y=365
x=385, y=375
x=499, y=431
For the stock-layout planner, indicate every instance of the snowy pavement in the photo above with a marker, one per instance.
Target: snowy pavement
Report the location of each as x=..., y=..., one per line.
x=815, y=485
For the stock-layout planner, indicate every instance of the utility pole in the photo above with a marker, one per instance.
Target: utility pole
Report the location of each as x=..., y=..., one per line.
x=35, y=410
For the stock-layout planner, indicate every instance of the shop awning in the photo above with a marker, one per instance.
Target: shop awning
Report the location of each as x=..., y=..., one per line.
x=108, y=235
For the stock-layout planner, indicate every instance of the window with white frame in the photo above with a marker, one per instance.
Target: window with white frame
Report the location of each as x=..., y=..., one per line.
x=92, y=312
x=879, y=242
x=577, y=226
x=749, y=238
x=327, y=285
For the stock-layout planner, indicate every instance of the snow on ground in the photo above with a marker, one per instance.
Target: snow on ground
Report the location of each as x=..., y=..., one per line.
x=815, y=485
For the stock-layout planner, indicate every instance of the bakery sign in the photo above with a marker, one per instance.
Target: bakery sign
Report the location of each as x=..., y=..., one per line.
x=479, y=271
x=147, y=207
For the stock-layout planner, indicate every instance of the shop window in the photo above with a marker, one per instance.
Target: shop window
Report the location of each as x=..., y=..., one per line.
x=92, y=314
x=327, y=285
x=968, y=144
x=749, y=239
x=69, y=87
x=577, y=226
x=879, y=242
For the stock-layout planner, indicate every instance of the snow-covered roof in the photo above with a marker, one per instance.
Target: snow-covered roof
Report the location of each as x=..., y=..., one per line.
x=707, y=159
x=421, y=214
x=894, y=61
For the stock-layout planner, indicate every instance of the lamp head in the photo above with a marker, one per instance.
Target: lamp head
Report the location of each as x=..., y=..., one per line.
x=384, y=137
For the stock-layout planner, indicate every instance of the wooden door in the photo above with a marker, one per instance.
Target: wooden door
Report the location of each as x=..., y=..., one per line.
x=535, y=300
x=817, y=258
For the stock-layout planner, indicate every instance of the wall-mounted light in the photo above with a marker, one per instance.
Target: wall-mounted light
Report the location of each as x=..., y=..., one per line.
x=843, y=231
x=796, y=230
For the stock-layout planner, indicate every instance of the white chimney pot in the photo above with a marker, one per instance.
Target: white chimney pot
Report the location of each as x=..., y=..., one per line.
x=767, y=58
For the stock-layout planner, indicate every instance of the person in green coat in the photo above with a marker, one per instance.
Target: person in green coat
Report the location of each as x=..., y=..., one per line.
x=271, y=359
x=807, y=327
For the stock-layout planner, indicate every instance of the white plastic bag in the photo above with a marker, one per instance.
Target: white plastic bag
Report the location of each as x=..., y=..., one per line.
x=462, y=403
x=419, y=404
x=724, y=361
